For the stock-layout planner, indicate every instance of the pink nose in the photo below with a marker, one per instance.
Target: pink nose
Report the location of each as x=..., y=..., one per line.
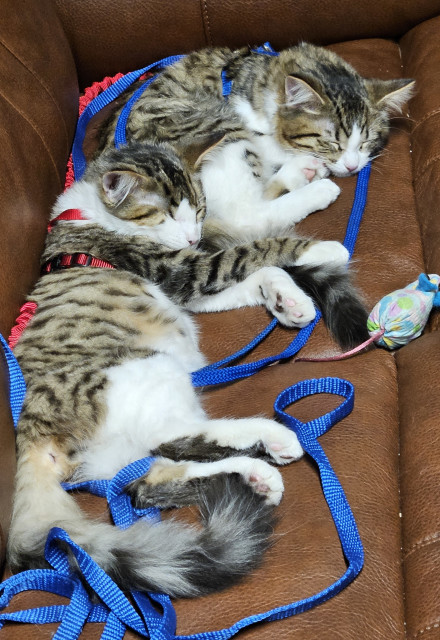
x=351, y=166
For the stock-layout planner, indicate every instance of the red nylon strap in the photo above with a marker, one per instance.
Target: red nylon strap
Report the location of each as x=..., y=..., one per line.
x=68, y=214
x=70, y=260
x=27, y=311
x=66, y=260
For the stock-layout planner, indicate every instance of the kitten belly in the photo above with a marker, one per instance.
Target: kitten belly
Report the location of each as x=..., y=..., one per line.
x=149, y=401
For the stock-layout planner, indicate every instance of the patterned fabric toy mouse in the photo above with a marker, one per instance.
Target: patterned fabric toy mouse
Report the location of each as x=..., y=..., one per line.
x=402, y=315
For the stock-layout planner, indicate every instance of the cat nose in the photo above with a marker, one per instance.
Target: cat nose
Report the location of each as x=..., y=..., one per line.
x=351, y=161
x=192, y=238
x=351, y=166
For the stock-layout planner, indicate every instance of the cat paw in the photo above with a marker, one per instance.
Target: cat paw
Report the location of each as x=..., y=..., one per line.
x=314, y=169
x=294, y=174
x=321, y=193
x=325, y=252
x=284, y=446
x=264, y=480
x=285, y=300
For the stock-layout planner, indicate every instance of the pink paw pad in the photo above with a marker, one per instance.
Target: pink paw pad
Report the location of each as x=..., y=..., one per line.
x=309, y=173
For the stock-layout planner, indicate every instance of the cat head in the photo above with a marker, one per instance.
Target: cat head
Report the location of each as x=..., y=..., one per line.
x=147, y=190
x=328, y=110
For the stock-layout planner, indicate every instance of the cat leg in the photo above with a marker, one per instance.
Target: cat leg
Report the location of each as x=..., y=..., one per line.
x=269, y=286
x=217, y=439
x=297, y=205
x=295, y=173
x=325, y=252
x=171, y=483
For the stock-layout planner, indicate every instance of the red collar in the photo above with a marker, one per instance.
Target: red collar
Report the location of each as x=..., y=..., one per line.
x=69, y=260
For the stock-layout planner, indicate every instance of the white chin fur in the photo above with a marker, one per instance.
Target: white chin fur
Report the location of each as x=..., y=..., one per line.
x=340, y=170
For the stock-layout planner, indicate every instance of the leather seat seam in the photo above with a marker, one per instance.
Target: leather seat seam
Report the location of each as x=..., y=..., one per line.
x=206, y=22
x=45, y=87
x=426, y=166
x=423, y=542
x=36, y=131
x=426, y=117
x=428, y=627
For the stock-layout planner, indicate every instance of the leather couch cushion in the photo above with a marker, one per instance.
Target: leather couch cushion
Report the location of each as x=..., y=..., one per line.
x=364, y=448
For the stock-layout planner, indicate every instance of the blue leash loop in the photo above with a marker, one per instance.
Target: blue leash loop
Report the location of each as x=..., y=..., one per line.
x=102, y=100
x=115, y=609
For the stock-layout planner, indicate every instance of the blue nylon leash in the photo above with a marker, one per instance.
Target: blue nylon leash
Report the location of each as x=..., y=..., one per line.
x=17, y=385
x=116, y=610
x=98, y=103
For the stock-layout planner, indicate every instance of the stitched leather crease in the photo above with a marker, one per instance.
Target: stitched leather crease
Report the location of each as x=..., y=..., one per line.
x=47, y=90
x=206, y=24
x=423, y=542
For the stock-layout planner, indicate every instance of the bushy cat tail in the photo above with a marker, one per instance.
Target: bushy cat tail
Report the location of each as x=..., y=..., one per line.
x=331, y=288
x=170, y=557
x=188, y=561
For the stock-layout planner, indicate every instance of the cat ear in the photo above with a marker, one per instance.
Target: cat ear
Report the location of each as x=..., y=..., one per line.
x=118, y=184
x=391, y=95
x=204, y=152
x=195, y=152
x=300, y=94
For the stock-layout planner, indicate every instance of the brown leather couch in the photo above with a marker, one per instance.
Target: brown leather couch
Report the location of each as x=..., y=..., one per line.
x=387, y=452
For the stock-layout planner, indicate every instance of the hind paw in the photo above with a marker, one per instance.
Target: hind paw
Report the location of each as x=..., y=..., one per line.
x=264, y=480
x=285, y=300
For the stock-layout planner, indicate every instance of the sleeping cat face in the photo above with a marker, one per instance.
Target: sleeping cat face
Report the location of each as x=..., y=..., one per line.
x=328, y=110
x=148, y=188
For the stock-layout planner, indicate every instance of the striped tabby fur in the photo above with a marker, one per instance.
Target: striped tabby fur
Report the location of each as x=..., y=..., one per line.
x=263, y=155
x=107, y=361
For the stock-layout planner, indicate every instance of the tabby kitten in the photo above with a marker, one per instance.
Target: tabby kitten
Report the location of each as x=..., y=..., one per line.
x=289, y=121
x=106, y=346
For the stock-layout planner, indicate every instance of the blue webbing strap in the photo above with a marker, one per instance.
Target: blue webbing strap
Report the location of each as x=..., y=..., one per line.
x=357, y=210
x=266, y=49
x=149, y=622
x=98, y=103
x=17, y=385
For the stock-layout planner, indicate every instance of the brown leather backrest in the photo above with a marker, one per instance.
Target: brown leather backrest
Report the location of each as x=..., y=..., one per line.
x=107, y=37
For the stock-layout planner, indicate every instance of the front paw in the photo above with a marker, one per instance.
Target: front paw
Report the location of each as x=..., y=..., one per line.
x=286, y=301
x=321, y=193
x=294, y=174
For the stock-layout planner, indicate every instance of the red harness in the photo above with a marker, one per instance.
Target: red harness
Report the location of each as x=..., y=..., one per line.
x=61, y=261
x=69, y=260
x=28, y=309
